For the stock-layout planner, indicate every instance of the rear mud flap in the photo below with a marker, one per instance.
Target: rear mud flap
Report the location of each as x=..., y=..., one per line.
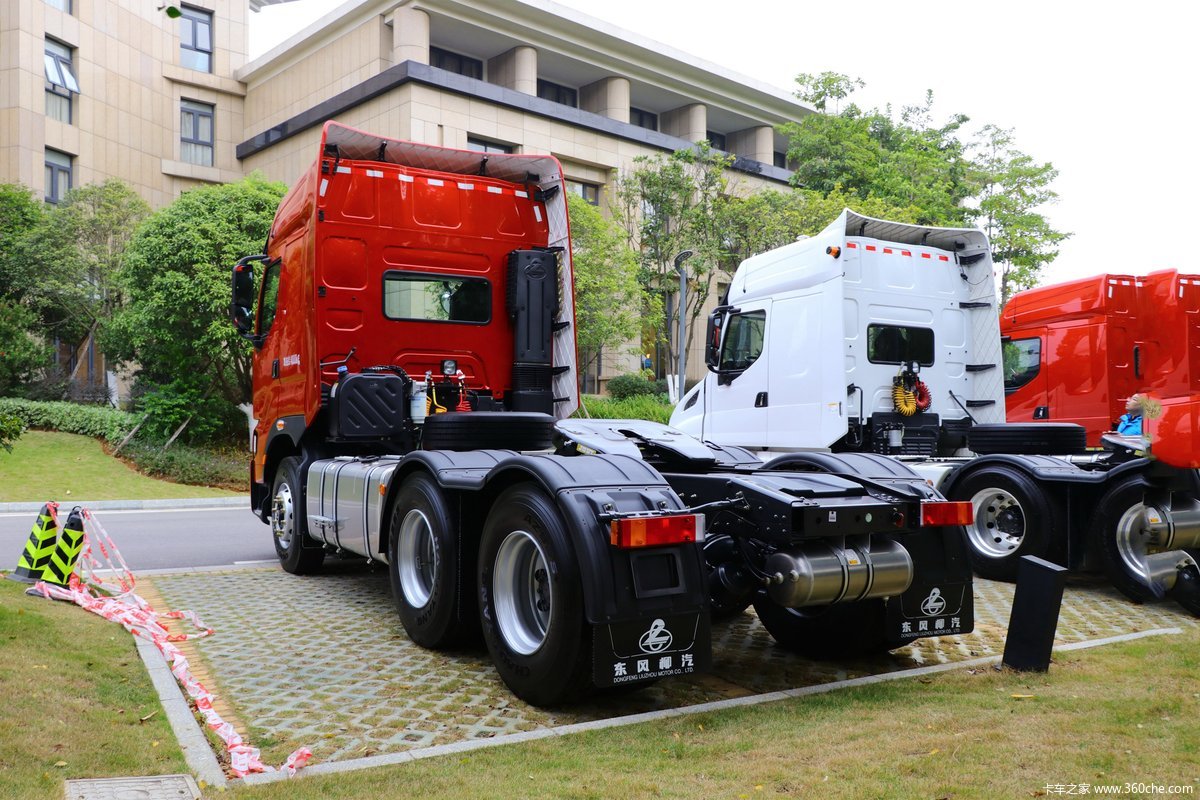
x=650, y=648
x=930, y=609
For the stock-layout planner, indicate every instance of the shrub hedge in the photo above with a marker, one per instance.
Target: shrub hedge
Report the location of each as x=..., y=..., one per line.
x=636, y=384
x=654, y=407
x=103, y=422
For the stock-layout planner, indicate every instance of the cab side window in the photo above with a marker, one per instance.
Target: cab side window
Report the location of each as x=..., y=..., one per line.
x=268, y=301
x=743, y=341
x=1022, y=360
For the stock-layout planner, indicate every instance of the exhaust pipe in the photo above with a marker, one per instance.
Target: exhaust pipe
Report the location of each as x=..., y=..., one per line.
x=818, y=573
x=1172, y=528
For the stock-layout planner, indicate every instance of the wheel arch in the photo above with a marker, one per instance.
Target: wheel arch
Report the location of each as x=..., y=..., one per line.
x=582, y=488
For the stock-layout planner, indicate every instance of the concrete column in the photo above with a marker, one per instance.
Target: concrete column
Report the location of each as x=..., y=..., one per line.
x=410, y=35
x=608, y=97
x=756, y=143
x=688, y=122
x=516, y=69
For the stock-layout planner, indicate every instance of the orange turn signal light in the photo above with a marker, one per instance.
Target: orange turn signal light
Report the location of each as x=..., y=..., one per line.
x=833, y=251
x=946, y=512
x=633, y=532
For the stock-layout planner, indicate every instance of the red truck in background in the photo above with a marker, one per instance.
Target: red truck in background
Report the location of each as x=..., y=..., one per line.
x=1077, y=351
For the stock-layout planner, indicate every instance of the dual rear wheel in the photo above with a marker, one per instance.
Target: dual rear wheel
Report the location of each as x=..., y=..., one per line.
x=521, y=591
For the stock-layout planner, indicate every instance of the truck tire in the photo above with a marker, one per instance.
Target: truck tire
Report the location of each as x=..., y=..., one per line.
x=531, y=601
x=424, y=569
x=298, y=552
x=1117, y=543
x=838, y=631
x=1033, y=439
x=488, y=430
x=1012, y=518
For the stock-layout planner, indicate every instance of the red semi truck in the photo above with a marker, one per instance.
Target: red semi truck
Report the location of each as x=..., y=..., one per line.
x=1077, y=351
x=413, y=371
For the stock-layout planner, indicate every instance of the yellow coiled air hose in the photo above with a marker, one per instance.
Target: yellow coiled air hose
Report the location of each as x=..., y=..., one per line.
x=904, y=401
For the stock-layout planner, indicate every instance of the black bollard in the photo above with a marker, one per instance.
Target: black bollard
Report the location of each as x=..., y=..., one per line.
x=1036, y=603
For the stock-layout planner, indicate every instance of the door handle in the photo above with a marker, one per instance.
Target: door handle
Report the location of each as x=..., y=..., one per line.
x=275, y=368
x=760, y=400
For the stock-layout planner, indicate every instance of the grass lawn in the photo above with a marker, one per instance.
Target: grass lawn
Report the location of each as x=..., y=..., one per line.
x=1117, y=714
x=47, y=465
x=74, y=689
x=73, y=692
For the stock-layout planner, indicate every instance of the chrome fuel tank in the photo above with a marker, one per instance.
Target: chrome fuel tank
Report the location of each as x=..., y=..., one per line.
x=344, y=501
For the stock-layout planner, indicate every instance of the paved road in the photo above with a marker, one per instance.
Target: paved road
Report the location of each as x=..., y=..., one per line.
x=193, y=537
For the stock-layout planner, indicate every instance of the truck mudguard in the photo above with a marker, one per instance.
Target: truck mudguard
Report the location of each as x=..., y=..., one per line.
x=587, y=490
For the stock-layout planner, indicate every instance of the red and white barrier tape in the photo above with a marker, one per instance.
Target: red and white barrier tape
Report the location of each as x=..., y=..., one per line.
x=134, y=614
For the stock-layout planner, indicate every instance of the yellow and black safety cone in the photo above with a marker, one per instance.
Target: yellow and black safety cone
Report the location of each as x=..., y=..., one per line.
x=70, y=541
x=40, y=546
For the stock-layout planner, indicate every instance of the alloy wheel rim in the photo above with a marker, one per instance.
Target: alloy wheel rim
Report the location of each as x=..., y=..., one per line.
x=999, y=525
x=417, y=558
x=524, y=597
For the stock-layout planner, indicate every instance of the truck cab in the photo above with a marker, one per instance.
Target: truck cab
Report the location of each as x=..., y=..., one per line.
x=816, y=341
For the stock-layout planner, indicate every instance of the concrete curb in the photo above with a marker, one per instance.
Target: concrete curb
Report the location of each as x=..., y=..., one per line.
x=241, y=501
x=196, y=750
x=407, y=756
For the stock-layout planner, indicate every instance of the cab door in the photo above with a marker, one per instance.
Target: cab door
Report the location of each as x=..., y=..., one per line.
x=738, y=398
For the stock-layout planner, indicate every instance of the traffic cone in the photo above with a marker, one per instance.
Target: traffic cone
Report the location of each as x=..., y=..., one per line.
x=70, y=542
x=40, y=546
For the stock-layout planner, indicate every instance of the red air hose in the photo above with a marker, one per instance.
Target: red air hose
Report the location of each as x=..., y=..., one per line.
x=924, y=400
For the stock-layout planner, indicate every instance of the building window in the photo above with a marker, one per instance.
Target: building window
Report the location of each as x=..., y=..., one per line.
x=195, y=39
x=61, y=5
x=643, y=119
x=557, y=93
x=58, y=175
x=717, y=140
x=456, y=63
x=484, y=146
x=196, y=133
x=781, y=159
x=61, y=85
x=588, y=191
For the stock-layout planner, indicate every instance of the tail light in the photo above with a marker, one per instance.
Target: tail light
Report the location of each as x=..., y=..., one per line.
x=633, y=532
x=946, y=512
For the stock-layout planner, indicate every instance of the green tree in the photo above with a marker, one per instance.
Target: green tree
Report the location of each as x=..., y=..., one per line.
x=174, y=323
x=668, y=204
x=79, y=249
x=768, y=219
x=20, y=213
x=610, y=303
x=21, y=353
x=908, y=162
x=11, y=429
x=1012, y=187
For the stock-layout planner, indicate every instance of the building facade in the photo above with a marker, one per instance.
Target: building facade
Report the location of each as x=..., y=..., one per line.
x=121, y=90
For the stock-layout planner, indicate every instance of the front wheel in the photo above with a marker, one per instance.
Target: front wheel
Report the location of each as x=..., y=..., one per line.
x=1012, y=518
x=424, y=569
x=836, y=631
x=298, y=552
x=530, y=600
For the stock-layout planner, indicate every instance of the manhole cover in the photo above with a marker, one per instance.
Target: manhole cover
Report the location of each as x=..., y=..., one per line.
x=157, y=787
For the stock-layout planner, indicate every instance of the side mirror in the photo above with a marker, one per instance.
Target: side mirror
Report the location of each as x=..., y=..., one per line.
x=241, y=310
x=713, y=335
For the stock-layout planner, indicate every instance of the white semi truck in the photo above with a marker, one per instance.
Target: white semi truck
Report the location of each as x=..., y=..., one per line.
x=882, y=337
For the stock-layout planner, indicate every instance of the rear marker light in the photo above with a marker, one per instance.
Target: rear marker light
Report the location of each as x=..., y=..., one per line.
x=946, y=512
x=634, y=532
